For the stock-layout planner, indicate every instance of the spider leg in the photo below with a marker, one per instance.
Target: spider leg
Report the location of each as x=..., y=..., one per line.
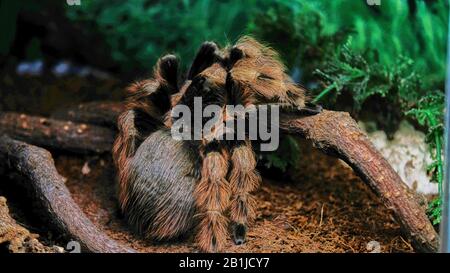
x=243, y=180
x=208, y=54
x=147, y=103
x=212, y=191
x=261, y=77
x=167, y=69
x=235, y=55
x=310, y=109
x=212, y=195
x=243, y=177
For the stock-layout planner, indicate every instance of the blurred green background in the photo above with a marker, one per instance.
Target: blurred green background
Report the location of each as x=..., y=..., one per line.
x=382, y=63
x=133, y=34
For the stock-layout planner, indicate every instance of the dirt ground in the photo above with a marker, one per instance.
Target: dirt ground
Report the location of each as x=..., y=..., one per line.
x=325, y=208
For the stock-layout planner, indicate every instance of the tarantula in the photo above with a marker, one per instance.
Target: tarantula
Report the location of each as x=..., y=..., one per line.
x=168, y=187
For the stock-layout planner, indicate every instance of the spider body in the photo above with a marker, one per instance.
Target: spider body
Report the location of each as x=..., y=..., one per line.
x=166, y=182
x=169, y=187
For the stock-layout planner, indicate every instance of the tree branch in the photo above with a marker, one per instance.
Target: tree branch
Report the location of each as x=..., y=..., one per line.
x=57, y=134
x=103, y=113
x=36, y=165
x=338, y=134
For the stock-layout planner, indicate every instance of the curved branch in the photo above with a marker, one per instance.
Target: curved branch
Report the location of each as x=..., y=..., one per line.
x=338, y=134
x=57, y=134
x=103, y=113
x=36, y=165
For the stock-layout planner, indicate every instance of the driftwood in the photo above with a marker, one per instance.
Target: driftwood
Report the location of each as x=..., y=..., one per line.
x=37, y=167
x=103, y=113
x=338, y=134
x=57, y=134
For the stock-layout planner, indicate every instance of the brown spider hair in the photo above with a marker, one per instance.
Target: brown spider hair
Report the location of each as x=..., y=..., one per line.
x=168, y=187
x=260, y=77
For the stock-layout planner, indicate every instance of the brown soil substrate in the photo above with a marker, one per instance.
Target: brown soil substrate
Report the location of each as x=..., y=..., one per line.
x=326, y=209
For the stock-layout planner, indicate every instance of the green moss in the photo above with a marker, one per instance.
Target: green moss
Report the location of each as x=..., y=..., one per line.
x=140, y=31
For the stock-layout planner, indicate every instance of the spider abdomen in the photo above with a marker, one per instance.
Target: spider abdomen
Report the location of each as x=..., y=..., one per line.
x=158, y=199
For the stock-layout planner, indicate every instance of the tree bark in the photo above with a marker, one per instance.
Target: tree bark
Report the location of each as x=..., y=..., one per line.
x=104, y=113
x=57, y=134
x=336, y=133
x=37, y=167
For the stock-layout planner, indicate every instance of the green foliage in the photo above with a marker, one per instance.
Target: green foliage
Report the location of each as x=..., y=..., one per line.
x=140, y=31
x=287, y=154
x=399, y=84
x=296, y=29
x=309, y=32
x=429, y=112
x=8, y=15
x=435, y=211
x=9, y=11
x=417, y=30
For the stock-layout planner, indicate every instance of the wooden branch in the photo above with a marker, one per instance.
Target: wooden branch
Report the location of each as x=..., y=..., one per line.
x=57, y=134
x=36, y=165
x=103, y=113
x=338, y=134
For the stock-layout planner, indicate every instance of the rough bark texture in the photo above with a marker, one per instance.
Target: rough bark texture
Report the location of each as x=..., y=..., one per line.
x=57, y=134
x=104, y=113
x=37, y=167
x=338, y=134
x=334, y=133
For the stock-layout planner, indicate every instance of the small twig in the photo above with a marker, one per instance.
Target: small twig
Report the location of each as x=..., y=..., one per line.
x=406, y=243
x=321, y=215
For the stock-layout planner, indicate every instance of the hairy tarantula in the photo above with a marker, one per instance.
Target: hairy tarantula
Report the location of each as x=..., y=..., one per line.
x=168, y=187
